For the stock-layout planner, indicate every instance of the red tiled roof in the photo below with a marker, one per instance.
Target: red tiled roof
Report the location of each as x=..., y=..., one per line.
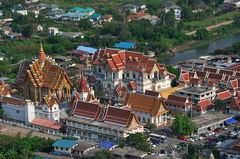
x=204, y=105
x=235, y=67
x=195, y=81
x=224, y=95
x=211, y=83
x=185, y=77
x=125, y=60
x=210, y=69
x=215, y=76
x=152, y=93
x=46, y=123
x=227, y=72
x=86, y=109
x=120, y=116
x=177, y=100
x=82, y=84
x=234, y=84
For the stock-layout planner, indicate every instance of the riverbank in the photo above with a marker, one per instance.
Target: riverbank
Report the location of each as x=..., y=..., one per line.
x=197, y=44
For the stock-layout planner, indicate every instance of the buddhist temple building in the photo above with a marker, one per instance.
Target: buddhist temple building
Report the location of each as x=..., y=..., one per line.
x=35, y=79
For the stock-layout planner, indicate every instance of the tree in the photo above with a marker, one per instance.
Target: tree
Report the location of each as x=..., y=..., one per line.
x=194, y=151
x=183, y=125
x=202, y=33
x=11, y=154
x=236, y=20
x=174, y=71
x=85, y=24
x=27, y=31
x=105, y=154
x=236, y=48
x=138, y=141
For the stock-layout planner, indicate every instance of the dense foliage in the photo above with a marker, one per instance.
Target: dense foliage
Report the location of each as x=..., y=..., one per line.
x=138, y=141
x=183, y=125
x=22, y=148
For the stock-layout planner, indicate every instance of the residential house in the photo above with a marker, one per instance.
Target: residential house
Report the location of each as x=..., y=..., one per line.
x=236, y=3
x=5, y=30
x=178, y=103
x=1, y=13
x=39, y=28
x=151, y=18
x=116, y=68
x=64, y=147
x=199, y=7
x=34, y=9
x=226, y=7
x=52, y=31
x=137, y=16
x=167, y=7
x=203, y=106
x=55, y=13
x=72, y=35
x=149, y=109
x=95, y=18
x=84, y=53
x=79, y=10
x=74, y=16
x=19, y=9
x=15, y=36
x=133, y=8
x=31, y=1
x=106, y=18
x=17, y=109
x=81, y=149
x=230, y=149
x=92, y=121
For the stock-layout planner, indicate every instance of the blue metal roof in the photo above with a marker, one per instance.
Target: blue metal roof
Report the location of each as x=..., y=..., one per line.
x=75, y=15
x=230, y=121
x=84, y=10
x=95, y=16
x=89, y=50
x=125, y=45
x=64, y=143
x=107, y=145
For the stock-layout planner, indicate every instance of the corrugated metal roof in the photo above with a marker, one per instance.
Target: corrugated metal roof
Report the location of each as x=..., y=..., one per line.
x=86, y=49
x=65, y=143
x=125, y=45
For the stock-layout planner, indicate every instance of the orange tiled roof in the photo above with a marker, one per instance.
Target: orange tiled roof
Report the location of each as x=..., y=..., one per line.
x=224, y=95
x=4, y=89
x=145, y=103
x=49, y=75
x=50, y=99
x=204, y=105
x=82, y=84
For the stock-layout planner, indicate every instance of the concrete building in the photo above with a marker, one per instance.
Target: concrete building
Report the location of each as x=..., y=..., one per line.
x=230, y=149
x=64, y=147
x=210, y=121
x=176, y=9
x=53, y=31
x=18, y=109
x=91, y=121
x=178, y=103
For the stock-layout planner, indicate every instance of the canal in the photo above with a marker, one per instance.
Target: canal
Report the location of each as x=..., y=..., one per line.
x=204, y=50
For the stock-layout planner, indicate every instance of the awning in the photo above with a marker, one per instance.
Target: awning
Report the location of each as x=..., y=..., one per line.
x=230, y=121
x=107, y=145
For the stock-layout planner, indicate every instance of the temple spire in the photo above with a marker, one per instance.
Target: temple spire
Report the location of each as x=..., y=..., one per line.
x=41, y=55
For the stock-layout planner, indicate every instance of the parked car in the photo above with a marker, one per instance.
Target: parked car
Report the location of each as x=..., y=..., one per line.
x=183, y=137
